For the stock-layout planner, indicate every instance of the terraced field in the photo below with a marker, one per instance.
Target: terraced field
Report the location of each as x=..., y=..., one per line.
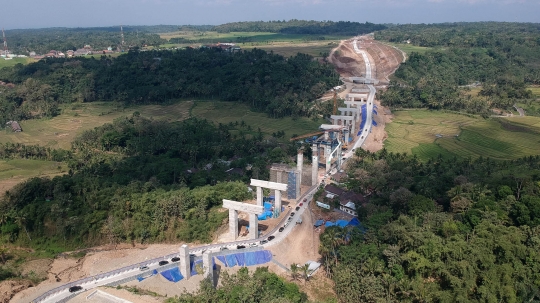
x=429, y=134
x=60, y=131
x=15, y=171
x=225, y=112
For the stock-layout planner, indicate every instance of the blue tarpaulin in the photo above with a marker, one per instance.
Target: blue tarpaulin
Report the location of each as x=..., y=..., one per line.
x=374, y=123
x=222, y=259
x=354, y=222
x=194, y=266
x=231, y=260
x=240, y=259
x=172, y=274
x=265, y=215
x=342, y=223
x=375, y=112
x=319, y=223
x=329, y=223
x=267, y=205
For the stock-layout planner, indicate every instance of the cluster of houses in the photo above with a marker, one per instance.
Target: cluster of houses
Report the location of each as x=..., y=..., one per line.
x=86, y=50
x=228, y=47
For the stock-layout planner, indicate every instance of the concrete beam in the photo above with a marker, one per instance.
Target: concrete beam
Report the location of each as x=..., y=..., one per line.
x=245, y=207
x=349, y=118
x=268, y=184
x=260, y=195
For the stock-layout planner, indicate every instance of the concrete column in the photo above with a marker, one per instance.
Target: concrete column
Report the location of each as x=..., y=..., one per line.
x=299, y=168
x=315, y=165
x=327, y=158
x=233, y=223
x=299, y=161
x=346, y=137
x=277, y=206
x=326, y=134
x=185, y=261
x=207, y=265
x=260, y=195
x=253, y=226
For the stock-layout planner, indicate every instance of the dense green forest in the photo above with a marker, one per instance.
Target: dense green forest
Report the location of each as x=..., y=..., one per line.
x=267, y=82
x=136, y=180
x=41, y=41
x=304, y=27
x=441, y=231
x=260, y=286
x=502, y=57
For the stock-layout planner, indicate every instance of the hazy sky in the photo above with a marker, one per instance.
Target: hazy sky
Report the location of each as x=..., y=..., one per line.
x=79, y=13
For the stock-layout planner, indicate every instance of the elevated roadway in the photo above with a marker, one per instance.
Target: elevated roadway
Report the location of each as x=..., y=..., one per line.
x=61, y=293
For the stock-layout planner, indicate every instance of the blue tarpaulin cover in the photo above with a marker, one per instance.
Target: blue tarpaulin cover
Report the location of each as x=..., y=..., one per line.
x=329, y=223
x=375, y=112
x=172, y=274
x=374, y=123
x=354, y=222
x=267, y=205
x=240, y=259
x=221, y=259
x=342, y=223
x=231, y=260
x=319, y=223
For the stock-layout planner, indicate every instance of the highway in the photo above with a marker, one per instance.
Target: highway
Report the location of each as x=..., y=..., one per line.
x=62, y=292
x=370, y=104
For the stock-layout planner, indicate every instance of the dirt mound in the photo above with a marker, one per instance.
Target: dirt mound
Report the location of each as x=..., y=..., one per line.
x=10, y=287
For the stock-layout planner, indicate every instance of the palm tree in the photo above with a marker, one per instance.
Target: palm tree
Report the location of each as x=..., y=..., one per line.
x=294, y=271
x=304, y=270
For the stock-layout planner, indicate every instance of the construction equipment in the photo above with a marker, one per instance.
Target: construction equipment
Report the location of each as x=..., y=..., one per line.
x=307, y=135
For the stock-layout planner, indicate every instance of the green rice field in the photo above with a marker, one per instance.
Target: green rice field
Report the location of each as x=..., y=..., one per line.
x=225, y=112
x=429, y=134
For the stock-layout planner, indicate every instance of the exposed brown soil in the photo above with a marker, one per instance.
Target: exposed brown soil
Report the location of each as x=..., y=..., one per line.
x=385, y=59
x=9, y=288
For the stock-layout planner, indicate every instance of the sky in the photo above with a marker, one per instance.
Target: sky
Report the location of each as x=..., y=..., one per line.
x=89, y=13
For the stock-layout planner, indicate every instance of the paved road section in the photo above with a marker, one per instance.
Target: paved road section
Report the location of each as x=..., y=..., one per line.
x=369, y=110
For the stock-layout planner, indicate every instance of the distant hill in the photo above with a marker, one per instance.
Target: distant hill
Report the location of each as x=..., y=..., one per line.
x=301, y=27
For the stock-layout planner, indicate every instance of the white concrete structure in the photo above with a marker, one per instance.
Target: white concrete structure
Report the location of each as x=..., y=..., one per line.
x=278, y=187
x=253, y=210
x=185, y=261
x=315, y=164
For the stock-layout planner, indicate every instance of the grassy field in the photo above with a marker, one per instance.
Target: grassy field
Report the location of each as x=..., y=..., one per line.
x=14, y=61
x=15, y=171
x=409, y=48
x=535, y=91
x=283, y=44
x=225, y=112
x=429, y=133
x=59, y=131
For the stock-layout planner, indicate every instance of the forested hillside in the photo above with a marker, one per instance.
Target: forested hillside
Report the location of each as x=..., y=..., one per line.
x=260, y=286
x=136, y=180
x=305, y=27
x=41, y=41
x=267, y=82
x=502, y=57
x=441, y=231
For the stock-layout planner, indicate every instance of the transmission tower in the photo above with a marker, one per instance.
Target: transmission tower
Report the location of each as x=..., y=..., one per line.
x=5, y=42
x=122, y=34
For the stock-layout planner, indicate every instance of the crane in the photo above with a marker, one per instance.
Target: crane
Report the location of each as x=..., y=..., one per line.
x=307, y=135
